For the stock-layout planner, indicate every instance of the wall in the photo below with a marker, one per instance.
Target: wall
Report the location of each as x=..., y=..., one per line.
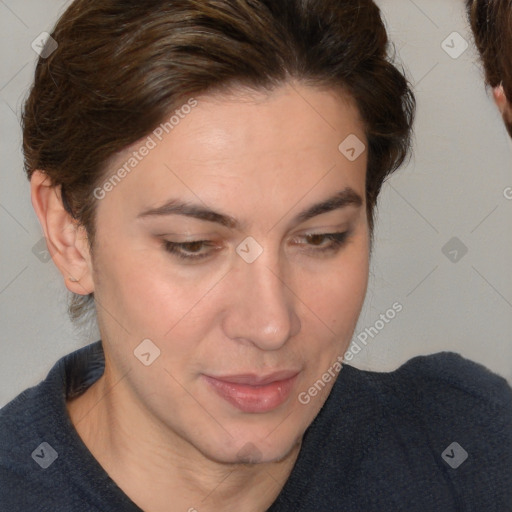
x=451, y=192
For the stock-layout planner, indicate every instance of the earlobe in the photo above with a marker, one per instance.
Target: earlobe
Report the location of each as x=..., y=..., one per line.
x=66, y=240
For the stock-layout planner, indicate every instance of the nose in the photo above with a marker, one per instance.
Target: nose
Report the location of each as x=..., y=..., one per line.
x=262, y=307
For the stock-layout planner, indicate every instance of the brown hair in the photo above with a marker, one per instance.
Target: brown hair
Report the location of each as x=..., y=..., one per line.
x=491, y=22
x=122, y=66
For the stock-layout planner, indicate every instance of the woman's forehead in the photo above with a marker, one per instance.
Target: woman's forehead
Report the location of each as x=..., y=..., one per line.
x=282, y=145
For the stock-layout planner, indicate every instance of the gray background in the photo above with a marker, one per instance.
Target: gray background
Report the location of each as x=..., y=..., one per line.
x=453, y=187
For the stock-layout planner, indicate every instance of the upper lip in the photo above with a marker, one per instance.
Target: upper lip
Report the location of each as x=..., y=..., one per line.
x=251, y=379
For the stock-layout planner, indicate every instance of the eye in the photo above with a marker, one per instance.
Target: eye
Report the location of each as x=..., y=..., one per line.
x=317, y=241
x=189, y=250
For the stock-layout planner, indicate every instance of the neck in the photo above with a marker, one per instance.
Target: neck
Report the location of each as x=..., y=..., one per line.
x=155, y=467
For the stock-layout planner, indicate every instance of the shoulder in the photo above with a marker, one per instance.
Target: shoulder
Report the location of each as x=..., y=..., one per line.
x=440, y=422
x=434, y=434
x=29, y=412
x=448, y=379
x=39, y=449
x=446, y=393
x=18, y=417
x=20, y=424
x=444, y=380
x=42, y=407
x=451, y=417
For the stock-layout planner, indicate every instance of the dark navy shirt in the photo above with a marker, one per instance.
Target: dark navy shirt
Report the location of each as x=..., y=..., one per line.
x=433, y=435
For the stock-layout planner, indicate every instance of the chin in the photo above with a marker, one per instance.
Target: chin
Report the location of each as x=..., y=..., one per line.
x=251, y=450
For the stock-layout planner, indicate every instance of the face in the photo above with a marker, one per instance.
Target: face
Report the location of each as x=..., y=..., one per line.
x=239, y=246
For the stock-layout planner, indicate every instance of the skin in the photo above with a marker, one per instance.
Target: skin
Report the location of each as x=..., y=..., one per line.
x=160, y=431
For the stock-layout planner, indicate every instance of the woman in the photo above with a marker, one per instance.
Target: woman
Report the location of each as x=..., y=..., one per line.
x=207, y=174
x=492, y=27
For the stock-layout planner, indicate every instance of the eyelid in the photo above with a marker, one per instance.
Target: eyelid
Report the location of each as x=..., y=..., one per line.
x=207, y=240
x=325, y=229
x=337, y=240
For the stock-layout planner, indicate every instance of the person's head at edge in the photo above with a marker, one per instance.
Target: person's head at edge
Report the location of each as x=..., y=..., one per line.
x=491, y=22
x=241, y=107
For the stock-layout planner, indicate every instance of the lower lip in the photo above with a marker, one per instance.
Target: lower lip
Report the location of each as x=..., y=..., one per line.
x=253, y=398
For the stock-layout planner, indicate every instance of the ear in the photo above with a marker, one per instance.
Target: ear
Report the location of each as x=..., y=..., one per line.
x=66, y=240
x=500, y=98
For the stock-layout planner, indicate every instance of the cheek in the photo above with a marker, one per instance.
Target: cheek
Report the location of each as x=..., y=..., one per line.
x=343, y=303
x=131, y=285
x=151, y=298
x=336, y=295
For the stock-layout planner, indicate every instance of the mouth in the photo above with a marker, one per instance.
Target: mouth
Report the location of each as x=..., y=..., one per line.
x=252, y=393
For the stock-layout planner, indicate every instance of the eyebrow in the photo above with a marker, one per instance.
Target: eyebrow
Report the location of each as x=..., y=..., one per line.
x=342, y=199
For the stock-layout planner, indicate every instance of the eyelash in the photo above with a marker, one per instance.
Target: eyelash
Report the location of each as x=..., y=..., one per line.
x=338, y=240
